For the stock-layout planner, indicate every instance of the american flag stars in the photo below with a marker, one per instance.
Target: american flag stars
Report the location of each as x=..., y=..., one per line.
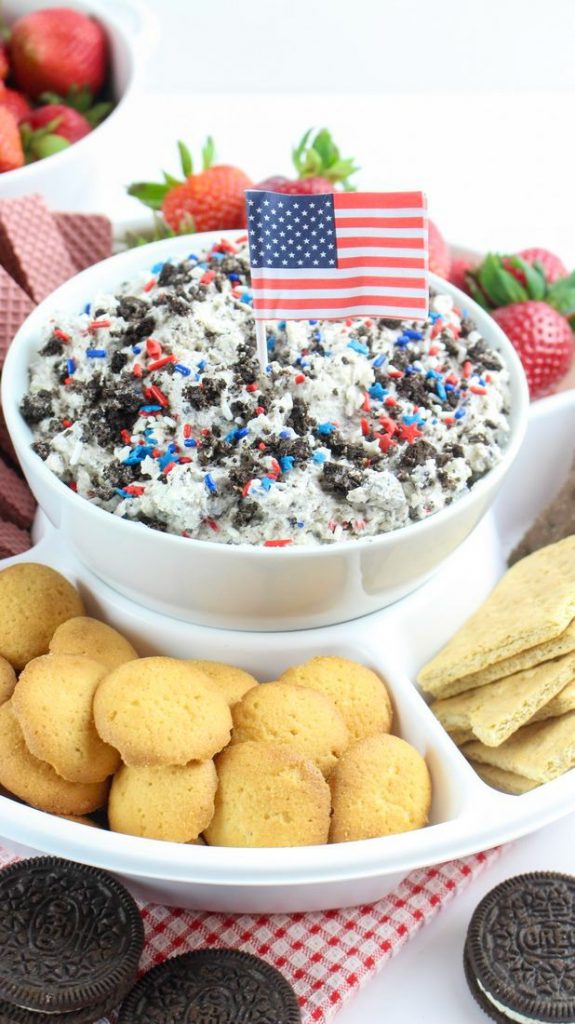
x=291, y=232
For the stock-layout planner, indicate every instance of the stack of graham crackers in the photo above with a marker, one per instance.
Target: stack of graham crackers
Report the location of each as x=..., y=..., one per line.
x=39, y=250
x=504, y=685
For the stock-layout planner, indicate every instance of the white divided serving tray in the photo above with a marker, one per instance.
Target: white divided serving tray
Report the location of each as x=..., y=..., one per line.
x=467, y=815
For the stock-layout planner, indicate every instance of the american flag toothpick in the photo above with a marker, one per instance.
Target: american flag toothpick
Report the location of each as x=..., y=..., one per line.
x=337, y=255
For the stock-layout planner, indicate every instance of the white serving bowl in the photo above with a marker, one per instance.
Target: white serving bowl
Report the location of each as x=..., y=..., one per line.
x=242, y=587
x=131, y=29
x=466, y=815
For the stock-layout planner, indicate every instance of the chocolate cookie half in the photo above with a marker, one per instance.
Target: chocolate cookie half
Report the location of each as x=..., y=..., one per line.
x=212, y=986
x=519, y=955
x=71, y=937
x=10, y=1014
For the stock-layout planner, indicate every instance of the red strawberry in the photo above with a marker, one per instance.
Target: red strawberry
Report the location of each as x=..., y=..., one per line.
x=553, y=267
x=212, y=199
x=15, y=101
x=439, y=254
x=208, y=201
x=460, y=267
x=64, y=121
x=534, y=315
x=55, y=49
x=319, y=166
x=4, y=64
x=11, y=152
x=300, y=187
x=543, y=340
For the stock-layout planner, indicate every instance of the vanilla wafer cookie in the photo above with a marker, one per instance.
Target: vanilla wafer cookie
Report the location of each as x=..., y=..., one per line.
x=170, y=802
x=53, y=704
x=268, y=795
x=360, y=696
x=532, y=603
x=296, y=716
x=379, y=787
x=233, y=683
x=35, y=781
x=93, y=639
x=7, y=680
x=34, y=600
x=161, y=711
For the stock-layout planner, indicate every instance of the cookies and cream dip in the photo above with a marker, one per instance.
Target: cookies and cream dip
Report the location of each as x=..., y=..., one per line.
x=151, y=404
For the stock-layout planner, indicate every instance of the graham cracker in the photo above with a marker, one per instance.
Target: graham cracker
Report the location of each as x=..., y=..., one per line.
x=559, y=645
x=507, y=782
x=559, y=705
x=563, y=702
x=532, y=603
x=540, y=751
x=460, y=736
x=32, y=249
x=494, y=712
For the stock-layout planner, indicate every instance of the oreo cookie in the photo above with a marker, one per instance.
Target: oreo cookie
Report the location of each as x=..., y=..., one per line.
x=71, y=937
x=10, y=1014
x=519, y=957
x=212, y=986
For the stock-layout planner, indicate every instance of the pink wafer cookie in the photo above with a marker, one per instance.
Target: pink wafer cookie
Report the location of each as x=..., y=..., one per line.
x=32, y=249
x=88, y=237
x=6, y=447
x=16, y=501
x=14, y=308
x=13, y=540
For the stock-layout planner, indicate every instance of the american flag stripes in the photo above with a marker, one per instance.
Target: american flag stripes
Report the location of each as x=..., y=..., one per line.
x=338, y=255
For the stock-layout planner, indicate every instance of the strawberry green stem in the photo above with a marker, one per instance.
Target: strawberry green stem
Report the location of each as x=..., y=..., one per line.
x=318, y=156
x=504, y=280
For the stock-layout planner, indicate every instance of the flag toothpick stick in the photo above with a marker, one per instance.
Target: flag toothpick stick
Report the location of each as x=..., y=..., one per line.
x=261, y=345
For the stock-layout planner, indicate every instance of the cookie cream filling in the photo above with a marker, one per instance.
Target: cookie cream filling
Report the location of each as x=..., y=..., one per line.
x=512, y=1014
x=151, y=404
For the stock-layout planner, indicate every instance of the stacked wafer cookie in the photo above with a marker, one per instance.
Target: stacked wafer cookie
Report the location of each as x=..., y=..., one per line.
x=504, y=685
x=39, y=250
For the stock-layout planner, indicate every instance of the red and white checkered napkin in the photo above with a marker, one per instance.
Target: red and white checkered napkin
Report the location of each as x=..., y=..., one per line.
x=326, y=955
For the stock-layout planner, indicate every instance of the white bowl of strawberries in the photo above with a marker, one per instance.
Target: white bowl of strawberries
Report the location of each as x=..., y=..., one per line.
x=67, y=75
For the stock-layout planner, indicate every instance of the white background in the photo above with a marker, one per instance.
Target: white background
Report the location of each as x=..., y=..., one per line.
x=362, y=46
x=473, y=102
